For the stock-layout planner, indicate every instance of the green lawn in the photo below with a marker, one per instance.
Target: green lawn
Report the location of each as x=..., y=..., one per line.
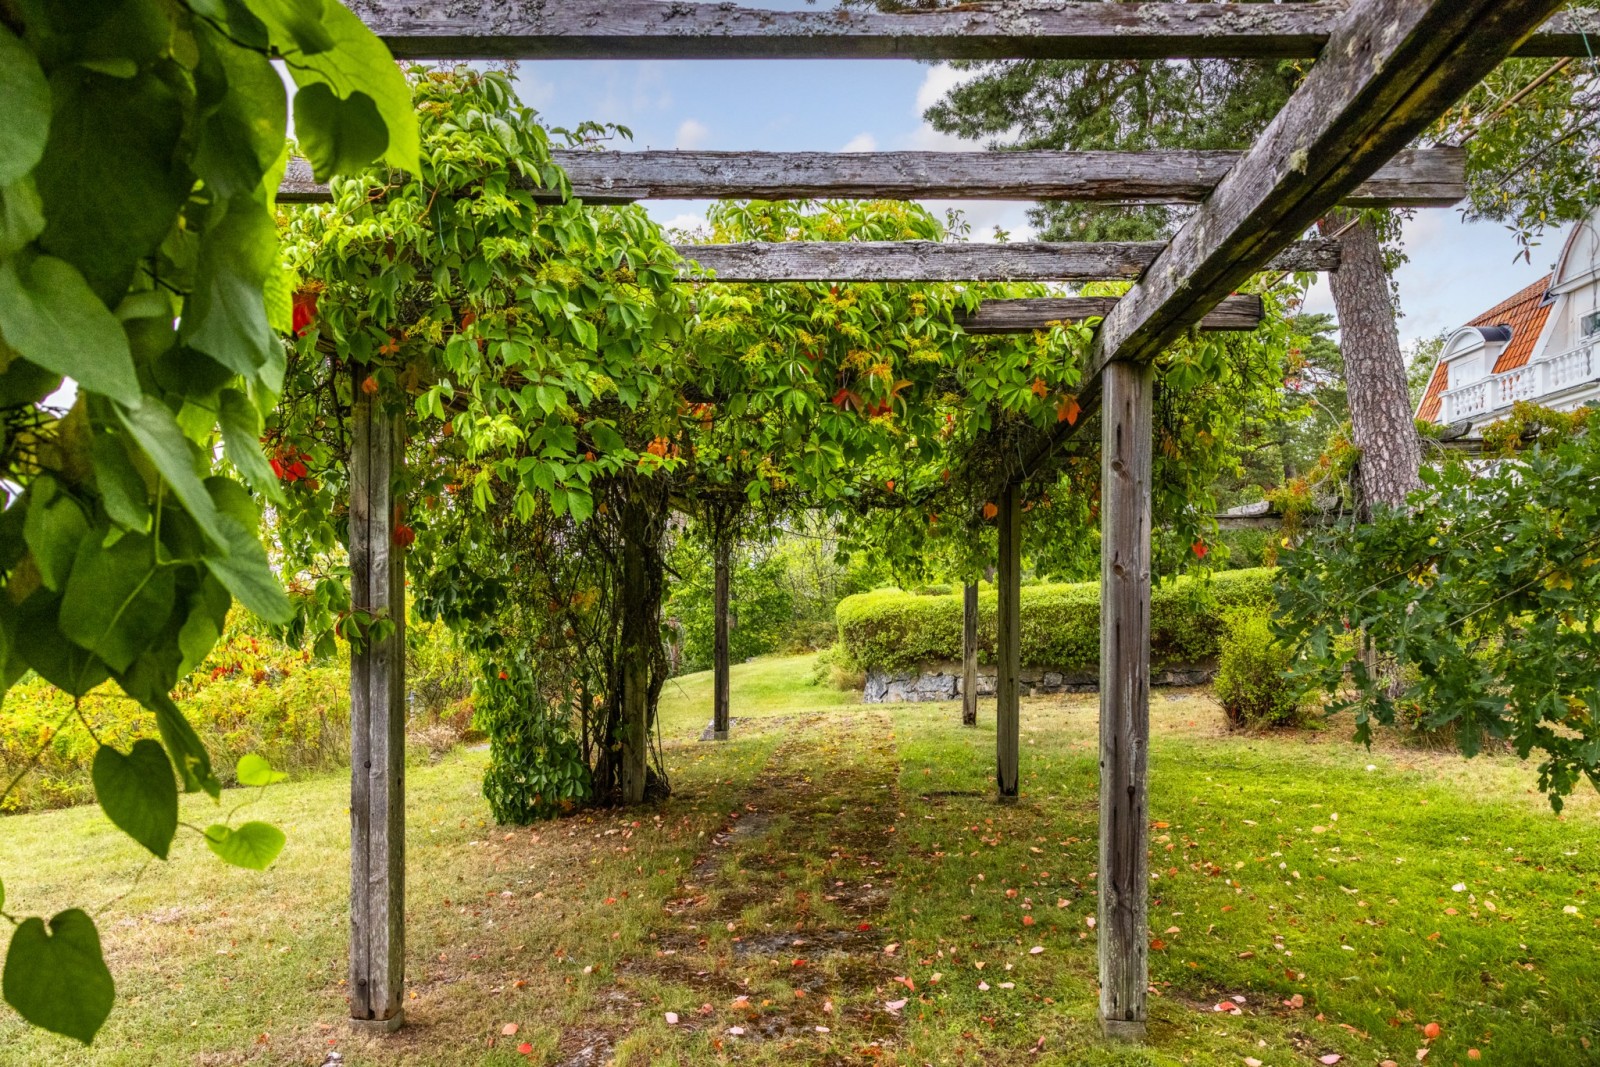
x=835, y=859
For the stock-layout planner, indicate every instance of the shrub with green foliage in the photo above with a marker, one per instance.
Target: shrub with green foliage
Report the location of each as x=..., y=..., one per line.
x=892, y=630
x=251, y=695
x=1252, y=682
x=760, y=610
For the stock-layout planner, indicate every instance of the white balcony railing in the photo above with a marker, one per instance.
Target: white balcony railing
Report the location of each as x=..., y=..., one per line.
x=1534, y=381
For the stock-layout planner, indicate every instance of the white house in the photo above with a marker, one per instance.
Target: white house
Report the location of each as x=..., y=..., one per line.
x=1540, y=345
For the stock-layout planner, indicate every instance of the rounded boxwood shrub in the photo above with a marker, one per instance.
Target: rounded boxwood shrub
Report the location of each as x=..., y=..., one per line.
x=1251, y=683
x=896, y=631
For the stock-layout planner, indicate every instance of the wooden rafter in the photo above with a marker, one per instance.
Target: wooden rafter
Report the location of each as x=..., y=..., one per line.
x=1425, y=178
x=1392, y=66
x=1239, y=312
x=1019, y=29
x=931, y=261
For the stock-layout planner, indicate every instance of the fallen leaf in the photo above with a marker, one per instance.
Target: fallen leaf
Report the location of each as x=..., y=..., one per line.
x=1430, y=1031
x=1251, y=1061
x=509, y=1028
x=983, y=987
x=736, y=1031
x=1035, y=950
x=525, y=1048
x=893, y=1006
x=1330, y=1059
x=672, y=1018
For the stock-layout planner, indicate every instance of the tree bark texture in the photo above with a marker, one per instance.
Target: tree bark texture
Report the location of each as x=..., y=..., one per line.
x=969, y=654
x=1375, y=371
x=641, y=667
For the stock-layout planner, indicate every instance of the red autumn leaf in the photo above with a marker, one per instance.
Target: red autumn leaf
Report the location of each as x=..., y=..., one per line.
x=525, y=1048
x=1430, y=1031
x=369, y=385
x=1200, y=549
x=305, y=311
x=990, y=510
x=404, y=535
x=1067, y=410
x=1157, y=945
x=889, y=485
x=1039, y=388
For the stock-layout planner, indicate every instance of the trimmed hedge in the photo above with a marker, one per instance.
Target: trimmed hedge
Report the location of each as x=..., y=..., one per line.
x=896, y=631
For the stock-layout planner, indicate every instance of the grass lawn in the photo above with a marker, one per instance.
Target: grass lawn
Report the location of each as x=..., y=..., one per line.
x=836, y=885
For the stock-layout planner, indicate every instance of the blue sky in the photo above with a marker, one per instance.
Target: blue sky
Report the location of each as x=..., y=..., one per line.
x=1457, y=269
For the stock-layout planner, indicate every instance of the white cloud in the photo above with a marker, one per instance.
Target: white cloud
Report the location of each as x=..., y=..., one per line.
x=861, y=142
x=692, y=133
x=688, y=223
x=939, y=80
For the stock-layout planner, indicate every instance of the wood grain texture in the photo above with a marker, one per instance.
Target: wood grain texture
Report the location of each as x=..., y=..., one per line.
x=377, y=724
x=932, y=261
x=1124, y=876
x=1019, y=29
x=1427, y=178
x=969, y=654
x=722, y=552
x=1239, y=312
x=1391, y=67
x=1008, y=669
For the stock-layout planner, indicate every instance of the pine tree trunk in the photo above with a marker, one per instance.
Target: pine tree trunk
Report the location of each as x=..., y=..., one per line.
x=1375, y=371
x=969, y=655
x=722, y=551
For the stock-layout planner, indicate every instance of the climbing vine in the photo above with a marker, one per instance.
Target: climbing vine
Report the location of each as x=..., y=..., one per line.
x=141, y=147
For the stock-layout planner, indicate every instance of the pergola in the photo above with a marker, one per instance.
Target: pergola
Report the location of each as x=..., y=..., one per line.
x=1384, y=71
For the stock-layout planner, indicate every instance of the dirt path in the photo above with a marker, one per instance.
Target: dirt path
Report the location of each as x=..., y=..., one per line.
x=773, y=941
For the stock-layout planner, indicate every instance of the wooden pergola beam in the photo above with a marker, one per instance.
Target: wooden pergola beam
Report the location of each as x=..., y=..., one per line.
x=932, y=261
x=1391, y=68
x=1240, y=312
x=1434, y=177
x=1019, y=29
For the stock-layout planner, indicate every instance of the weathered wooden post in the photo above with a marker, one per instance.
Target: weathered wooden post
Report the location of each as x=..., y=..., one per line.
x=722, y=550
x=377, y=724
x=1124, y=878
x=969, y=654
x=1009, y=580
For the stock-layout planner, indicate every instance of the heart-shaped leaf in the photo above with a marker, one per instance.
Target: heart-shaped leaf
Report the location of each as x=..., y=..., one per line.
x=253, y=770
x=339, y=135
x=57, y=979
x=139, y=793
x=254, y=845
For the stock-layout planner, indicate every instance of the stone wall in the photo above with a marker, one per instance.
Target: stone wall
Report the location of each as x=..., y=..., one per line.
x=942, y=681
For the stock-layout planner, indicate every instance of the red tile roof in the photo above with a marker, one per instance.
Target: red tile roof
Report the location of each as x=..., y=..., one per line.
x=1525, y=312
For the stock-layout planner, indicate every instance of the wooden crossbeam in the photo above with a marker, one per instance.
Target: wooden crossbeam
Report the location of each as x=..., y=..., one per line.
x=932, y=261
x=1239, y=312
x=1018, y=29
x=1391, y=67
x=1434, y=177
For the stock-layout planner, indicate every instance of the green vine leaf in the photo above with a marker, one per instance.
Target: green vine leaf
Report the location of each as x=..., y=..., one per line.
x=57, y=979
x=253, y=845
x=138, y=793
x=158, y=433
x=252, y=770
x=339, y=135
x=25, y=120
x=51, y=317
x=359, y=62
x=117, y=599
